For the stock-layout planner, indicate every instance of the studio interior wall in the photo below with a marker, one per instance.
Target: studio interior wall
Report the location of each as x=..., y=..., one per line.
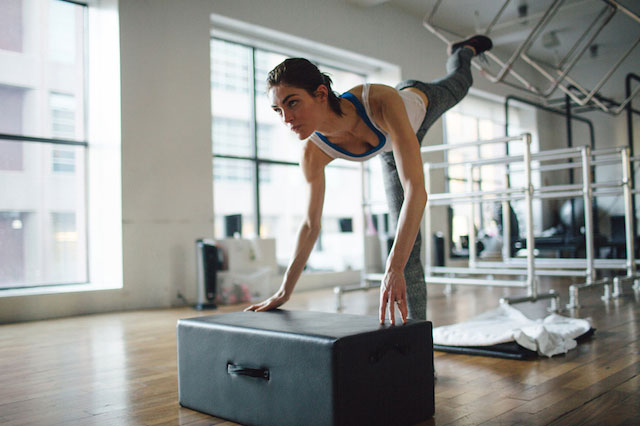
x=166, y=129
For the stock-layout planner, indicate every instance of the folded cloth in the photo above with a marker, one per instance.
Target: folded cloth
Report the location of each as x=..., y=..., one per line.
x=550, y=336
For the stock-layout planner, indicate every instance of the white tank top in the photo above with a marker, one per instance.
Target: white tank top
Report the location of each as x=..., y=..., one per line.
x=414, y=106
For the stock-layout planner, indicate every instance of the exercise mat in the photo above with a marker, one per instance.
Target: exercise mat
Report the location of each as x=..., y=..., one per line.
x=506, y=332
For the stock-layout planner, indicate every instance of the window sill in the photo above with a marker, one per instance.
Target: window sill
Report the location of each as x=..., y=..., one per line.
x=57, y=289
x=319, y=280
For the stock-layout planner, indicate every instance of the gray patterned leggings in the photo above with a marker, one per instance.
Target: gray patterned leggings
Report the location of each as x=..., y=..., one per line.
x=442, y=95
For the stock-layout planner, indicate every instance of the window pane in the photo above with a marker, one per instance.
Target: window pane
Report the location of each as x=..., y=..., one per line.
x=62, y=31
x=64, y=160
x=52, y=33
x=42, y=219
x=11, y=108
x=339, y=246
x=232, y=136
x=63, y=115
x=342, y=80
x=339, y=249
x=275, y=140
x=468, y=122
x=42, y=202
x=11, y=25
x=11, y=113
x=375, y=190
x=282, y=211
x=10, y=156
x=230, y=99
x=233, y=194
x=64, y=235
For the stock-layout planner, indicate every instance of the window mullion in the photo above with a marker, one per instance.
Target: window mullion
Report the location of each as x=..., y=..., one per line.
x=254, y=138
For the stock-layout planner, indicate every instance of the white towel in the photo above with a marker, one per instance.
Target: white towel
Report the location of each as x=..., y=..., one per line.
x=550, y=336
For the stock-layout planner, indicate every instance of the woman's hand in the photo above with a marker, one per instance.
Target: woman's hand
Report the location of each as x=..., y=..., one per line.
x=273, y=302
x=393, y=289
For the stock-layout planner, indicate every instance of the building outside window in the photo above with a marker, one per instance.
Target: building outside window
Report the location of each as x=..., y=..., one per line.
x=42, y=143
x=255, y=162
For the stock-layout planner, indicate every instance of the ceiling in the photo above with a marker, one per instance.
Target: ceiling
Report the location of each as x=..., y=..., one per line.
x=573, y=23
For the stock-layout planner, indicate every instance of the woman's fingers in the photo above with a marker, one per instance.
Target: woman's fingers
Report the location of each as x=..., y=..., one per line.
x=252, y=307
x=264, y=307
x=383, y=305
x=402, y=307
x=269, y=304
x=258, y=306
x=392, y=310
x=388, y=299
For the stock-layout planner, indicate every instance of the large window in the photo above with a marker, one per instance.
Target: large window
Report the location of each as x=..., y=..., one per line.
x=42, y=143
x=255, y=163
x=471, y=120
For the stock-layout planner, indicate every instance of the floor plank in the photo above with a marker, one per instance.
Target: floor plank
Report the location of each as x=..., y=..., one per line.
x=120, y=368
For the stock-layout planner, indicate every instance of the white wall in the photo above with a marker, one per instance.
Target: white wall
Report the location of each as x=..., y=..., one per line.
x=166, y=155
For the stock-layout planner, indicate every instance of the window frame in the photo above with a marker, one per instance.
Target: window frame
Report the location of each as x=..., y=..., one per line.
x=255, y=160
x=23, y=138
x=499, y=118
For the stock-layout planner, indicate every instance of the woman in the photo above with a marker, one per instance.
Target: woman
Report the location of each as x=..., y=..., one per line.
x=366, y=121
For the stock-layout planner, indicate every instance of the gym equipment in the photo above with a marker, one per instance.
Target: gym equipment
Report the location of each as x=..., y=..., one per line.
x=306, y=368
x=557, y=75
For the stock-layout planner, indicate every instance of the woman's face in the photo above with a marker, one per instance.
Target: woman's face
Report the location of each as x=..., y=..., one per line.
x=299, y=110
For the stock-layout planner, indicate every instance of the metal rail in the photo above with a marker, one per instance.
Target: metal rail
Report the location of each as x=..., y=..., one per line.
x=531, y=267
x=558, y=76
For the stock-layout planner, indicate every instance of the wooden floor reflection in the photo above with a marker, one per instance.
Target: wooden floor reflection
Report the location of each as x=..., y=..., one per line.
x=120, y=368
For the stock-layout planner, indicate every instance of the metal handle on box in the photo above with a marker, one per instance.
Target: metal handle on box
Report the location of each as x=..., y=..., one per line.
x=238, y=370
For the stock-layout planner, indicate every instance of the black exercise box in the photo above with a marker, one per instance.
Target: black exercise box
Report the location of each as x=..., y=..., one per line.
x=306, y=368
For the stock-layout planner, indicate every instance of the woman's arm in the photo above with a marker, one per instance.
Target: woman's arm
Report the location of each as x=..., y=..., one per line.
x=313, y=164
x=310, y=227
x=406, y=151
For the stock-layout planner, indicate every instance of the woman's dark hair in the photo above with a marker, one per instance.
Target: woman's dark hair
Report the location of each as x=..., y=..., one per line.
x=299, y=72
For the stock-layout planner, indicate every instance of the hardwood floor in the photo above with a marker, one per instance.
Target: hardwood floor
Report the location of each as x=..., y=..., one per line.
x=120, y=368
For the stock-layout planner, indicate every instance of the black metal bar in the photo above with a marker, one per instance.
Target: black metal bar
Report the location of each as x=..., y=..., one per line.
x=78, y=3
x=274, y=162
x=590, y=106
x=506, y=144
x=20, y=138
x=259, y=160
x=548, y=109
x=254, y=137
x=630, y=111
x=567, y=108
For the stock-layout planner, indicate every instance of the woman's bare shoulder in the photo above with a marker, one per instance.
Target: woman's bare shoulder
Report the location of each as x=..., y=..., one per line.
x=375, y=89
x=382, y=92
x=381, y=99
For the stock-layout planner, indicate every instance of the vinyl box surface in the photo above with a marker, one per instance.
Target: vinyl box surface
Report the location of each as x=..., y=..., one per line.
x=306, y=368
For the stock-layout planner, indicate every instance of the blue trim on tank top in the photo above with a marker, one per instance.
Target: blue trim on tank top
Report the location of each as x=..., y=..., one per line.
x=363, y=114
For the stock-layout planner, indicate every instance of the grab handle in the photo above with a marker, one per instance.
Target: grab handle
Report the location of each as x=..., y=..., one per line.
x=238, y=370
x=381, y=352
